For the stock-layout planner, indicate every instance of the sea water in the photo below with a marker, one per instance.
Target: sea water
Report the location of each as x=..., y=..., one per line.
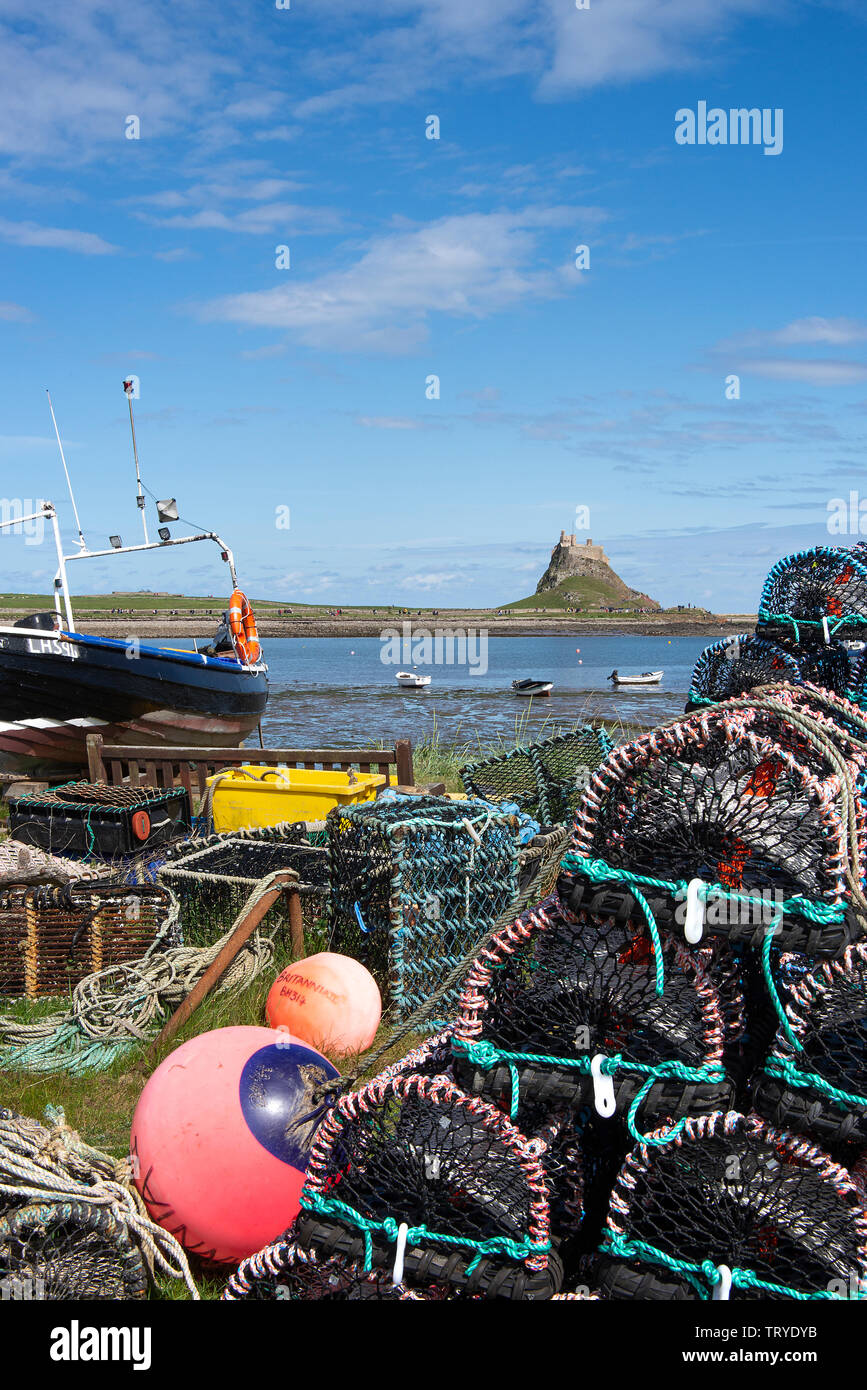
x=329, y=691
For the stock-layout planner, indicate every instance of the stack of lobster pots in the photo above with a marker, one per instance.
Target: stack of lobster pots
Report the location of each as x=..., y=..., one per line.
x=656, y=1084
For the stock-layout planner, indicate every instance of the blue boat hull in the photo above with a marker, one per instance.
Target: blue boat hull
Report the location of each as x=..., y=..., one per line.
x=55, y=689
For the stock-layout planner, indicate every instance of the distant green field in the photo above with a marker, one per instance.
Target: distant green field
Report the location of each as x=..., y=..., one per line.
x=165, y=603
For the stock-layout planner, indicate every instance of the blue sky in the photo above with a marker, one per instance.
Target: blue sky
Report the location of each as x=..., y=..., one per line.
x=559, y=388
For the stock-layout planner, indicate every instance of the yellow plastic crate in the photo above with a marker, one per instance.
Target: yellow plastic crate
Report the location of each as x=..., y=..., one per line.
x=253, y=794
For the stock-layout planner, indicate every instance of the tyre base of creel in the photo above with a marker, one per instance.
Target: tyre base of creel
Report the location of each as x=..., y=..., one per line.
x=490, y=1279
x=619, y=1279
x=793, y=932
x=808, y=1112
x=668, y=1098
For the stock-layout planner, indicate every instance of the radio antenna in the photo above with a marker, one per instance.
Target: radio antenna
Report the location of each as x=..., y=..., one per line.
x=81, y=540
x=128, y=386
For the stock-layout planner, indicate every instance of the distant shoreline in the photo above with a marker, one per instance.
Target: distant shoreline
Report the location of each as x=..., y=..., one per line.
x=191, y=625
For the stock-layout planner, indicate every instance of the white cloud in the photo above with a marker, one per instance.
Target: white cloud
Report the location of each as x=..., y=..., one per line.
x=469, y=266
x=14, y=313
x=430, y=581
x=55, y=238
x=815, y=373
x=388, y=422
x=815, y=329
x=623, y=40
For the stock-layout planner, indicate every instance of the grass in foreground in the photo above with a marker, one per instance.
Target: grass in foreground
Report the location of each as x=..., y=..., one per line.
x=100, y=1106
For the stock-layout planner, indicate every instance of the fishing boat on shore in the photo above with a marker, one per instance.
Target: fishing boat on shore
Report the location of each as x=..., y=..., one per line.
x=58, y=684
x=646, y=678
x=532, y=687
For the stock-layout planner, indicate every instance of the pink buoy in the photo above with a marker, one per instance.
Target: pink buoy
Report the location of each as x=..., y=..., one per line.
x=221, y=1136
x=329, y=1000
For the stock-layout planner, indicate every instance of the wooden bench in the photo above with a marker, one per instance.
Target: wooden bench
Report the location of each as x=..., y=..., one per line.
x=146, y=766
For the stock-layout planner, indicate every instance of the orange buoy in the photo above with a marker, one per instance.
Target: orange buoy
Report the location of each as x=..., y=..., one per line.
x=328, y=1000
x=141, y=825
x=242, y=626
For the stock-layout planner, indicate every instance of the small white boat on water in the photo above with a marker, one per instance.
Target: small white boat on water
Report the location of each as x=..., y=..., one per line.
x=646, y=678
x=532, y=687
x=410, y=680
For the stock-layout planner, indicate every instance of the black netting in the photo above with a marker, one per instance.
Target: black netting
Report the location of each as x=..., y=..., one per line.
x=777, y=1213
x=68, y=1250
x=826, y=582
x=213, y=879
x=735, y=798
x=285, y=1271
x=552, y=990
x=820, y=1086
x=470, y=1187
x=91, y=819
x=545, y=779
x=733, y=666
x=507, y=777
x=563, y=766
x=415, y=883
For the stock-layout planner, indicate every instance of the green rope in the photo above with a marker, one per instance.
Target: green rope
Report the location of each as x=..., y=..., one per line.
x=785, y=1068
x=773, y=992
x=834, y=622
x=598, y=871
x=618, y=1245
x=484, y=1054
x=494, y=1245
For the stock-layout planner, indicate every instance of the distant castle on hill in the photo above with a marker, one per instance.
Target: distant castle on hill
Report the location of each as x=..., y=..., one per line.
x=587, y=551
x=569, y=560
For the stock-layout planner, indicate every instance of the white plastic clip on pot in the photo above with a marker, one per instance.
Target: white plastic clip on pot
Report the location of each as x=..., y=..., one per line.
x=603, y=1087
x=399, y=1253
x=722, y=1291
x=693, y=927
x=471, y=830
x=825, y=633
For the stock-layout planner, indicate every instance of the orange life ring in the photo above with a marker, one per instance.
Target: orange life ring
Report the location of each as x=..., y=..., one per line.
x=242, y=626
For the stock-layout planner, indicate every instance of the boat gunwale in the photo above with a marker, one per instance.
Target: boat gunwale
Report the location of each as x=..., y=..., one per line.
x=228, y=664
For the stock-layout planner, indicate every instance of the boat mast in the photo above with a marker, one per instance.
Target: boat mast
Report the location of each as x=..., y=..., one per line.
x=61, y=583
x=140, y=498
x=81, y=540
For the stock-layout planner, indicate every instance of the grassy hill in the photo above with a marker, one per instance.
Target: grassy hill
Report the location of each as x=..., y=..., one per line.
x=581, y=591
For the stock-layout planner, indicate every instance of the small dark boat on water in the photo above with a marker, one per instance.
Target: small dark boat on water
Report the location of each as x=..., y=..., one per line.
x=532, y=687
x=57, y=684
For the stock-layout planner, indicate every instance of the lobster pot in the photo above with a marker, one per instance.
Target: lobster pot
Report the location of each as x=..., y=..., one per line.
x=69, y=1251
x=816, y=595
x=545, y=779
x=415, y=883
x=50, y=938
x=554, y=996
x=856, y=686
x=745, y=804
x=733, y=1199
x=470, y=1187
x=284, y=1270
x=213, y=882
x=89, y=818
x=815, y=1077
x=736, y=665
